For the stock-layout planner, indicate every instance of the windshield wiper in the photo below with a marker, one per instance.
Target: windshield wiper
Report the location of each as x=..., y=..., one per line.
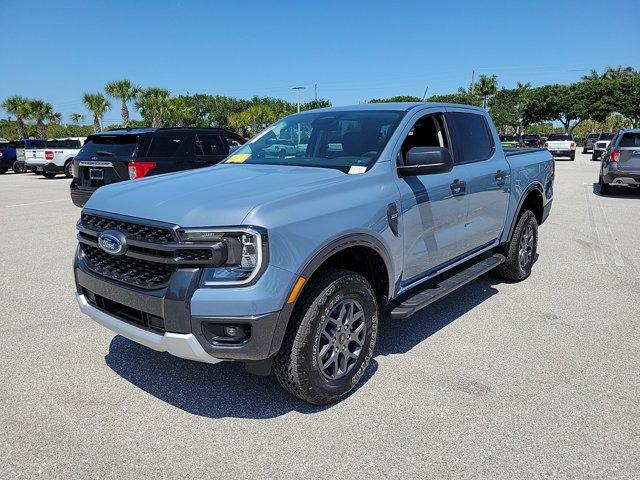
x=103, y=153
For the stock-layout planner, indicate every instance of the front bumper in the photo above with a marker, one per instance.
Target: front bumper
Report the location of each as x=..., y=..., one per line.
x=185, y=315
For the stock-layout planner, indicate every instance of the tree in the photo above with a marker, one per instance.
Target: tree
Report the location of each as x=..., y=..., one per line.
x=76, y=118
x=486, y=86
x=180, y=111
x=397, y=98
x=566, y=104
x=154, y=105
x=125, y=91
x=320, y=103
x=97, y=104
x=616, y=73
x=41, y=111
x=463, y=96
x=20, y=107
x=504, y=107
x=256, y=117
x=627, y=97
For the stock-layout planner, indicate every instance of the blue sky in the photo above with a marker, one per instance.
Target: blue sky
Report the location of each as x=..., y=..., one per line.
x=353, y=50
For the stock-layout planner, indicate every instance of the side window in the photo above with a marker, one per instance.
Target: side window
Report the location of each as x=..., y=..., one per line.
x=428, y=131
x=166, y=145
x=233, y=142
x=630, y=140
x=474, y=139
x=207, y=145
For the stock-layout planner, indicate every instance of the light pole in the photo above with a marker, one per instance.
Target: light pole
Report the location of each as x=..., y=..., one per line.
x=297, y=89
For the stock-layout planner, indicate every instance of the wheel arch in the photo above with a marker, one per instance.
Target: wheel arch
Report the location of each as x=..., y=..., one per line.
x=531, y=199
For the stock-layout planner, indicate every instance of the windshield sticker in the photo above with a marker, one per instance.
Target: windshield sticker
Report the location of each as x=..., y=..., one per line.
x=238, y=158
x=356, y=169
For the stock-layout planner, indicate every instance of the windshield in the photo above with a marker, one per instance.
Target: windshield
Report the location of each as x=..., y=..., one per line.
x=606, y=136
x=108, y=145
x=559, y=137
x=530, y=137
x=338, y=140
x=508, y=138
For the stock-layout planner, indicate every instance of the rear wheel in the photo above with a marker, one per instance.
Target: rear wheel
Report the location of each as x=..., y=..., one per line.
x=18, y=167
x=593, y=157
x=584, y=150
x=331, y=337
x=605, y=188
x=520, y=251
x=68, y=171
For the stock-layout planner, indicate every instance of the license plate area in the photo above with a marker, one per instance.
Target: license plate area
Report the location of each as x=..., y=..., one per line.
x=96, y=174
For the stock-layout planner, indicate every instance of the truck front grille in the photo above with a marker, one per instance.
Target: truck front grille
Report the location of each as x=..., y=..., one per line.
x=140, y=273
x=146, y=233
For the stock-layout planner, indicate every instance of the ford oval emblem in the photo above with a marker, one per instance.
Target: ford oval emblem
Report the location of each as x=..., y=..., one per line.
x=113, y=242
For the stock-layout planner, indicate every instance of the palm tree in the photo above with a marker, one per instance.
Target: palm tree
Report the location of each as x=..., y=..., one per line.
x=41, y=111
x=487, y=86
x=154, y=105
x=21, y=108
x=181, y=111
x=593, y=75
x=77, y=118
x=97, y=104
x=56, y=118
x=125, y=91
x=615, y=73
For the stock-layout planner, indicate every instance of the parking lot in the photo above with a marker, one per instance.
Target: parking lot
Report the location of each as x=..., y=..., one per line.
x=496, y=380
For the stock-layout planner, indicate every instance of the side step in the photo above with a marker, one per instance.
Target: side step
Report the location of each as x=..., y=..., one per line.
x=444, y=285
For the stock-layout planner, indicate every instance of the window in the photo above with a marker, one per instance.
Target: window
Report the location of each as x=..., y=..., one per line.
x=474, y=141
x=166, y=145
x=631, y=139
x=233, y=142
x=428, y=131
x=209, y=145
x=560, y=137
x=110, y=145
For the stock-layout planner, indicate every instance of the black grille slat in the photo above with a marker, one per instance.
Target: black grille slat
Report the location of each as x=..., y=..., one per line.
x=134, y=231
x=193, y=254
x=136, y=272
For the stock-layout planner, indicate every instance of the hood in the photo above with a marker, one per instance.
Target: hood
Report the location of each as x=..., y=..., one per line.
x=216, y=196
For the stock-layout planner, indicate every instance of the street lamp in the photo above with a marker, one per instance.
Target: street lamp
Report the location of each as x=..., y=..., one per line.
x=297, y=89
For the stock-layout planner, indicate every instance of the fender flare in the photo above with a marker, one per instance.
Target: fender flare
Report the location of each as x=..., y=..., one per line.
x=525, y=194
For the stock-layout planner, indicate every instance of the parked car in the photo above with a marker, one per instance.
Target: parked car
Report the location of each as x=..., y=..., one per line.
x=620, y=164
x=509, y=141
x=561, y=145
x=289, y=263
x=55, y=157
x=589, y=141
x=601, y=145
x=531, y=140
x=12, y=154
x=129, y=154
x=282, y=147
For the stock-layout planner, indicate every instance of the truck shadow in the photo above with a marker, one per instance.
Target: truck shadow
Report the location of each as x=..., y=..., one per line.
x=226, y=390
x=623, y=192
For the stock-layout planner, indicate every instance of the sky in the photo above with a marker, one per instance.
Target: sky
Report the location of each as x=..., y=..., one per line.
x=352, y=50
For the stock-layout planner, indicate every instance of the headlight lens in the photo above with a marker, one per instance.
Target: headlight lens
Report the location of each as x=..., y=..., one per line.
x=246, y=251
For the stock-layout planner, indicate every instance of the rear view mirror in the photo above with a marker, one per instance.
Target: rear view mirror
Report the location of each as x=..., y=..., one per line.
x=425, y=161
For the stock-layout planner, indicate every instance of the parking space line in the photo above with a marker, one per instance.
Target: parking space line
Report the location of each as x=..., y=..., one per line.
x=596, y=244
x=35, y=203
x=612, y=244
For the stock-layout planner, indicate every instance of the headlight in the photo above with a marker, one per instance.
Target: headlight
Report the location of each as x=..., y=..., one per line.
x=246, y=249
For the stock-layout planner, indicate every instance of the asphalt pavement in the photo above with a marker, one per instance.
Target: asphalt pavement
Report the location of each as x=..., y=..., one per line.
x=497, y=380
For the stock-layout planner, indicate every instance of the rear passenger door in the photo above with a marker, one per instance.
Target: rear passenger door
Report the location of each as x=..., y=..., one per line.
x=209, y=149
x=171, y=151
x=488, y=176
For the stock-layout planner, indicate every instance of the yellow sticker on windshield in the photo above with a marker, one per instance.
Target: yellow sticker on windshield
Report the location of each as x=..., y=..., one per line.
x=238, y=158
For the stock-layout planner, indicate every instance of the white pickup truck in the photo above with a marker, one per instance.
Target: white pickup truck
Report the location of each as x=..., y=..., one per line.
x=561, y=145
x=56, y=157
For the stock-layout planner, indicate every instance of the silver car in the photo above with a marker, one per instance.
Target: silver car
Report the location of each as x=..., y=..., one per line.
x=620, y=165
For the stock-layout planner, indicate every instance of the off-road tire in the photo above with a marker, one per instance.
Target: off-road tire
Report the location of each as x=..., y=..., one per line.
x=511, y=269
x=296, y=366
x=68, y=172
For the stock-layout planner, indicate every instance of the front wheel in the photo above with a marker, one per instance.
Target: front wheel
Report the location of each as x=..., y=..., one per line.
x=520, y=251
x=331, y=337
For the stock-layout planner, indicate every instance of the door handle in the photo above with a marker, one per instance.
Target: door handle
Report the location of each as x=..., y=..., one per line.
x=499, y=176
x=458, y=187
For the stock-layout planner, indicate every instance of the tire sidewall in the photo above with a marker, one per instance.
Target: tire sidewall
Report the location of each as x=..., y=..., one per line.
x=347, y=287
x=527, y=219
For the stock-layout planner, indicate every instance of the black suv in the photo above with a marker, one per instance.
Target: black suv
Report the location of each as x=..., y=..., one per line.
x=128, y=154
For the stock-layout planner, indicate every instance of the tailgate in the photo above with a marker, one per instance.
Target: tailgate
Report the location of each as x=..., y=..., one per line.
x=629, y=148
x=104, y=159
x=559, y=145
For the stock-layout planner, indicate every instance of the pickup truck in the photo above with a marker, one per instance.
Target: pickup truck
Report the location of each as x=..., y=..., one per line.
x=288, y=263
x=12, y=154
x=56, y=157
x=561, y=145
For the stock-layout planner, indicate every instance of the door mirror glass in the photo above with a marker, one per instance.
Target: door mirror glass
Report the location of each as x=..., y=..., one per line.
x=425, y=161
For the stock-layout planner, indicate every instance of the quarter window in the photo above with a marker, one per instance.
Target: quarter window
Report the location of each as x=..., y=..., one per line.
x=208, y=145
x=474, y=140
x=166, y=145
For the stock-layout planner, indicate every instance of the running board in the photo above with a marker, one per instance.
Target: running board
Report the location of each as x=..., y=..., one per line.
x=444, y=286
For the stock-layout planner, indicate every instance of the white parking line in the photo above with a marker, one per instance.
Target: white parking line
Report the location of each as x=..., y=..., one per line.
x=35, y=203
x=612, y=244
x=596, y=243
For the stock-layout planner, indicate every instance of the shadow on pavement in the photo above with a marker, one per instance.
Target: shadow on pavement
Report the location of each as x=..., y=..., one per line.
x=226, y=390
x=623, y=192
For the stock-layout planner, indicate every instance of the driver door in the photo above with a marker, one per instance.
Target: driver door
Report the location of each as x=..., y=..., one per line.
x=433, y=206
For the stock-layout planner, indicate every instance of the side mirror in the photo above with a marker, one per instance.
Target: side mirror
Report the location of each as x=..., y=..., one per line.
x=426, y=161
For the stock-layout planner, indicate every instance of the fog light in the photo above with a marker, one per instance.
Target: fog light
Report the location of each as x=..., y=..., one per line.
x=231, y=331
